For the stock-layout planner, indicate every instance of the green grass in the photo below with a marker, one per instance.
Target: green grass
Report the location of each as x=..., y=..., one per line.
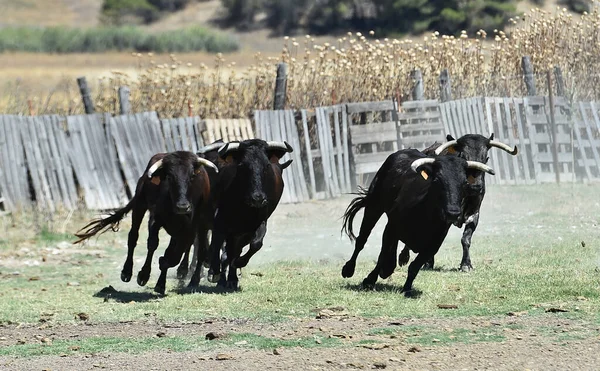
x=46, y=236
x=103, y=39
x=529, y=257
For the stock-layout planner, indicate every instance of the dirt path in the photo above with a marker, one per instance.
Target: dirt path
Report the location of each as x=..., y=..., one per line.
x=522, y=345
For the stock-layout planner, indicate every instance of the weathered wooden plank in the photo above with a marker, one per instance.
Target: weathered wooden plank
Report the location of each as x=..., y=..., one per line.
x=524, y=150
x=346, y=151
x=14, y=176
x=284, y=136
x=308, y=148
x=387, y=105
x=488, y=103
x=585, y=161
x=338, y=147
x=325, y=155
x=373, y=133
x=590, y=138
x=331, y=149
x=509, y=138
x=503, y=156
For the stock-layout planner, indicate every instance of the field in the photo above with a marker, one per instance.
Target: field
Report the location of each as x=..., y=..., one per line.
x=531, y=302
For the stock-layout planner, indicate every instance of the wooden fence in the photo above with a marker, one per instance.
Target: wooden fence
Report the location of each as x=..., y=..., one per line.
x=94, y=161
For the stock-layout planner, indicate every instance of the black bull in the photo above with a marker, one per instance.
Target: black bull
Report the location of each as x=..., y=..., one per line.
x=175, y=188
x=421, y=196
x=250, y=186
x=471, y=147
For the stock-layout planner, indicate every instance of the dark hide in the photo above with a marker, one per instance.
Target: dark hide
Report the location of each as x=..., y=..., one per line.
x=250, y=187
x=471, y=147
x=177, y=196
x=420, y=211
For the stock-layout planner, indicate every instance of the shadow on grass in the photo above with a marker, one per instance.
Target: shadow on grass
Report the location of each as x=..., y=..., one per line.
x=125, y=296
x=384, y=287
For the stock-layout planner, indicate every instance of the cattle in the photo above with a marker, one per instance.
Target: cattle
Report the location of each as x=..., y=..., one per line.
x=421, y=197
x=175, y=188
x=250, y=186
x=471, y=147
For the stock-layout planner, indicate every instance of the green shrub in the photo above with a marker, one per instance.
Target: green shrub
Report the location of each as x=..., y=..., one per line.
x=125, y=38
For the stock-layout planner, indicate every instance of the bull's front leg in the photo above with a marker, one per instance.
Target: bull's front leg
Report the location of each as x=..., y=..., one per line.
x=214, y=273
x=255, y=245
x=470, y=226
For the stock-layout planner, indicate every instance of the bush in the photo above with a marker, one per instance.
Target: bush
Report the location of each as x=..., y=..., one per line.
x=97, y=40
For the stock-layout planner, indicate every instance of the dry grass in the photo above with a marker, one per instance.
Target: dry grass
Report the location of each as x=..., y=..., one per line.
x=361, y=68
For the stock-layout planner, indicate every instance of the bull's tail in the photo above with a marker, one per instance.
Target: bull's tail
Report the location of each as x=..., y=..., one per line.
x=103, y=225
x=356, y=204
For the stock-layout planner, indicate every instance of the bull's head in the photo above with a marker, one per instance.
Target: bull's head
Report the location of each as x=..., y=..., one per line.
x=448, y=179
x=257, y=168
x=473, y=147
x=179, y=170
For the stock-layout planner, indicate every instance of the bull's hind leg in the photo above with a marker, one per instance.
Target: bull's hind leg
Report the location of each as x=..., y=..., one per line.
x=137, y=215
x=370, y=218
x=470, y=226
x=144, y=273
x=255, y=245
x=386, y=262
x=389, y=248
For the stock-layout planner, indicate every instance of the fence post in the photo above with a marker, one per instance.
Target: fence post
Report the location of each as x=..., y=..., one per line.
x=124, y=100
x=560, y=83
x=553, y=128
x=528, y=76
x=85, y=95
x=445, y=86
x=280, y=86
x=417, y=92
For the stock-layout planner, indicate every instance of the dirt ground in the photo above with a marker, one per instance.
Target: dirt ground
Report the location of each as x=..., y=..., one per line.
x=521, y=349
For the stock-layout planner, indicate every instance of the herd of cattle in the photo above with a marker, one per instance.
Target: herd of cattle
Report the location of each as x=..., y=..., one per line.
x=231, y=189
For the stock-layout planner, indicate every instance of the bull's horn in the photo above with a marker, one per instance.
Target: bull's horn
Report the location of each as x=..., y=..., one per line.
x=208, y=163
x=420, y=162
x=506, y=147
x=444, y=146
x=228, y=147
x=154, y=167
x=211, y=147
x=480, y=166
x=280, y=145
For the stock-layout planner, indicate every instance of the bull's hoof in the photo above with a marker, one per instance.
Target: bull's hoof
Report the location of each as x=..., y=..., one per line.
x=142, y=278
x=194, y=283
x=222, y=282
x=466, y=268
x=368, y=284
x=159, y=290
x=348, y=269
x=215, y=278
x=232, y=285
x=403, y=258
x=182, y=272
x=428, y=266
x=125, y=276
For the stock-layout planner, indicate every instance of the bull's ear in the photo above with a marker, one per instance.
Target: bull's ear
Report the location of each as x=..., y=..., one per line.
x=492, y=137
x=449, y=138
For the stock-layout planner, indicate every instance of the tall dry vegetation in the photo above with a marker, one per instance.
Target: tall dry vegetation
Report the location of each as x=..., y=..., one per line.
x=362, y=68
